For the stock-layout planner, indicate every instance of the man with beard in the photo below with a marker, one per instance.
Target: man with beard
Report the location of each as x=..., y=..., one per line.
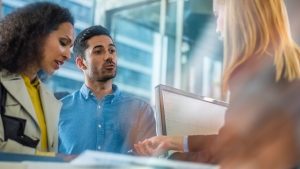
x=99, y=116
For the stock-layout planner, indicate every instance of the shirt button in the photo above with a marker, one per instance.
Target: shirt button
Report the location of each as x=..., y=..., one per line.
x=99, y=126
x=99, y=106
x=99, y=147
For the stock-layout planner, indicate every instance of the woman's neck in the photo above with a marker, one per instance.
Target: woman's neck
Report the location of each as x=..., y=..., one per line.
x=30, y=73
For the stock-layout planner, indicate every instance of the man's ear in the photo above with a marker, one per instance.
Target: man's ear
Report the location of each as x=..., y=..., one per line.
x=80, y=62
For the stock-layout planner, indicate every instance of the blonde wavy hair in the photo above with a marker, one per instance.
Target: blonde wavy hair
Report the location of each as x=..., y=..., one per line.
x=259, y=28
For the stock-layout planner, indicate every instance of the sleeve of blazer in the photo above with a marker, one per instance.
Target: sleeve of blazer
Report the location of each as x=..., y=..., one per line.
x=201, y=157
x=199, y=149
x=197, y=143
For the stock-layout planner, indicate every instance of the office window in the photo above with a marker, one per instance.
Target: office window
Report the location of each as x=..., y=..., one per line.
x=190, y=59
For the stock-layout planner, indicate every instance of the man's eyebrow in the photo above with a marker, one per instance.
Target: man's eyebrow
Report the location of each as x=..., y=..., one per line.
x=101, y=46
x=98, y=46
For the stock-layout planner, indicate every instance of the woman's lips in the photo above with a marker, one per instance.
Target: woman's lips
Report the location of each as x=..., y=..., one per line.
x=58, y=64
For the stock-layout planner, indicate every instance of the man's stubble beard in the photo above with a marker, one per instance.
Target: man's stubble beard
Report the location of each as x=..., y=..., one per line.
x=107, y=77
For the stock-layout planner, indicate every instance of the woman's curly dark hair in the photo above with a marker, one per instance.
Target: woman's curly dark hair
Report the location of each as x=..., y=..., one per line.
x=23, y=34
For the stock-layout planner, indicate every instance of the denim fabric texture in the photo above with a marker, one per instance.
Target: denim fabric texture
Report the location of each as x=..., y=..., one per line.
x=112, y=124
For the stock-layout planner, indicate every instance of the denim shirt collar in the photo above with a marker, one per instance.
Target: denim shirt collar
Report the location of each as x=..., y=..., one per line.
x=87, y=93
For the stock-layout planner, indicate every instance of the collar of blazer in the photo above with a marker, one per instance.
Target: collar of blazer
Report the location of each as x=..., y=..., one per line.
x=15, y=86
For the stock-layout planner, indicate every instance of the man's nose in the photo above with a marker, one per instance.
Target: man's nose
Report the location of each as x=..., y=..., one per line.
x=107, y=56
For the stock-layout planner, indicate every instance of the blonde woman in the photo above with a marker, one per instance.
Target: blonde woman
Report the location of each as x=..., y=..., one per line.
x=262, y=71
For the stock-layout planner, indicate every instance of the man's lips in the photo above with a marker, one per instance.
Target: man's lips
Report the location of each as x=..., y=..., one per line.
x=109, y=66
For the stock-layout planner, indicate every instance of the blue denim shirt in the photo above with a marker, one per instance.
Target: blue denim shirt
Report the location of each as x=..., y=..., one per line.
x=112, y=124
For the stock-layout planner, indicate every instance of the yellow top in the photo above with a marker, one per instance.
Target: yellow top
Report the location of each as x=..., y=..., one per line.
x=33, y=90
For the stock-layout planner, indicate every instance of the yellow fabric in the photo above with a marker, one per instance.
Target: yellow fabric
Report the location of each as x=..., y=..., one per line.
x=33, y=90
x=49, y=154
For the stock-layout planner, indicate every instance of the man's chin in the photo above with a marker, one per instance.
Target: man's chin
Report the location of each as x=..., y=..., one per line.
x=106, y=78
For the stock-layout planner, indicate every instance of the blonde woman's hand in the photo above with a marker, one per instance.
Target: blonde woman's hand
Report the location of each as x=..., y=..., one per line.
x=158, y=145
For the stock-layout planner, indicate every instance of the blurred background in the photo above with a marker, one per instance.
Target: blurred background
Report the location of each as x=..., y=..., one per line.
x=171, y=42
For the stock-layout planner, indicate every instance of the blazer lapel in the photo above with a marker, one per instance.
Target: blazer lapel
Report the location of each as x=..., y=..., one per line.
x=51, y=108
x=14, y=84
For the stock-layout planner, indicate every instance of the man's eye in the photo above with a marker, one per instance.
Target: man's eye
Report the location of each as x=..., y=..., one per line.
x=111, y=51
x=97, y=51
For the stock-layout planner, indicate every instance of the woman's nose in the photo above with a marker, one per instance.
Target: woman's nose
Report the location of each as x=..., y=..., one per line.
x=67, y=53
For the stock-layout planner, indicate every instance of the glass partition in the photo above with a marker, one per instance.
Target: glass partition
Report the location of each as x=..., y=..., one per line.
x=171, y=42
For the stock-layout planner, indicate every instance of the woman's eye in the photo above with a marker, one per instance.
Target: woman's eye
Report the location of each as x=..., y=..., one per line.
x=63, y=42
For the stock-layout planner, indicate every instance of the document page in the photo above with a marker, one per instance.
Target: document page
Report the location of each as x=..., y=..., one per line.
x=94, y=158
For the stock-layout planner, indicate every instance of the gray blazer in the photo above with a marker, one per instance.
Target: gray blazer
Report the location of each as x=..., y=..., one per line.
x=18, y=104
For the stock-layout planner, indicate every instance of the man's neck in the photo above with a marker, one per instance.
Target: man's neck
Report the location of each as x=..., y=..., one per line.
x=100, y=89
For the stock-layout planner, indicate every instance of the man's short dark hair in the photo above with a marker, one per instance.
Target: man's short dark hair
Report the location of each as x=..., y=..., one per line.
x=24, y=31
x=80, y=43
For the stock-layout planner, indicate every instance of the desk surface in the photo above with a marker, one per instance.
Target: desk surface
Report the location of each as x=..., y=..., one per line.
x=12, y=157
x=96, y=160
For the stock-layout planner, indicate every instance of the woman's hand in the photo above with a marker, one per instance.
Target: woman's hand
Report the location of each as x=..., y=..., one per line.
x=159, y=145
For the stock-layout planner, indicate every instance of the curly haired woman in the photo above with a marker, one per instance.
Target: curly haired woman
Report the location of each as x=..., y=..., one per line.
x=32, y=38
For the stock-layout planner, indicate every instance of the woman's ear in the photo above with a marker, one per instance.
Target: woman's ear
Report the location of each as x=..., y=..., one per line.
x=80, y=62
